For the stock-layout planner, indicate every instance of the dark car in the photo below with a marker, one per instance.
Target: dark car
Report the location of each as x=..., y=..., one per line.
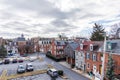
x=14, y=61
x=20, y=60
x=29, y=67
x=20, y=69
x=6, y=61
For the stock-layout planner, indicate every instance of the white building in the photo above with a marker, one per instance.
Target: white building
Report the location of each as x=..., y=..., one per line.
x=80, y=60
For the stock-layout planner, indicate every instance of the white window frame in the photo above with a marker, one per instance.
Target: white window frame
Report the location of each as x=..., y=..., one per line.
x=87, y=56
x=94, y=57
x=91, y=47
x=81, y=46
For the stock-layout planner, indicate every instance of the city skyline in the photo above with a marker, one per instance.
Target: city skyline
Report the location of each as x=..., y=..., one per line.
x=50, y=17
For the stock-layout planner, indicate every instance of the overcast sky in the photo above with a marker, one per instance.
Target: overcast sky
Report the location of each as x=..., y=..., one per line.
x=49, y=18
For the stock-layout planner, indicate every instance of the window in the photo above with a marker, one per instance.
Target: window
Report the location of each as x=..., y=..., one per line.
x=91, y=47
x=81, y=54
x=109, y=45
x=88, y=65
x=44, y=42
x=81, y=46
x=88, y=56
x=94, y=57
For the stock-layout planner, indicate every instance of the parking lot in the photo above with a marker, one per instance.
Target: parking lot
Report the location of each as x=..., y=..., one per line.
x=12, y=67
x=38, y=65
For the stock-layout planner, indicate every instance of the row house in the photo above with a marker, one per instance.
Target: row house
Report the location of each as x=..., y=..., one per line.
x=11, y=47
x=80, y=55
x=35, y=42
x=57, y=48
x=89, y=56
x=93, y=58
x=44, y=44
x=70, y=52
x=113, y=49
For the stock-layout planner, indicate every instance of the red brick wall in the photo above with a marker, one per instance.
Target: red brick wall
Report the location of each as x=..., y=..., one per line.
x=91, y=63
x=21, y=43
x=98, y=63
x=53, y=49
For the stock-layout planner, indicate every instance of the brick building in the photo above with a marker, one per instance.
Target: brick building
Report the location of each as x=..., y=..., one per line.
x=35, y=42
x=57, y=48
x=21, y=43
x=89, y=56
x=45, y=44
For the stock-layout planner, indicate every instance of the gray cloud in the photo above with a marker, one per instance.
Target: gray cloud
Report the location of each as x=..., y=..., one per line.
x=28, y=21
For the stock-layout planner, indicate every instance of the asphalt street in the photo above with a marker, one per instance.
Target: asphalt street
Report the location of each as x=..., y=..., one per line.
x=68, y=72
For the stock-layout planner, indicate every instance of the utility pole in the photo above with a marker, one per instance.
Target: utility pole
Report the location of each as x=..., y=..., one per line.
x=103, y=61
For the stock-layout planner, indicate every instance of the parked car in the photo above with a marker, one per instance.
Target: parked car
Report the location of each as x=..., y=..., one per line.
x=29, y=67
x=20, y=60
x=20, y=69
x=1, y=61
x=6, y=61
x=14, y=61
x=32, y=59
x=52, y=72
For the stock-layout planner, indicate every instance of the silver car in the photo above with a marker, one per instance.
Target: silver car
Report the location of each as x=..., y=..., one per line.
x=20, y=69
x=52, y=72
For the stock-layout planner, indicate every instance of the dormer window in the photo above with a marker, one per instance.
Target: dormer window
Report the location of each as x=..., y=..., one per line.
x=81, y=46
x=91, y=47
x=82, y=41
x=108, y=45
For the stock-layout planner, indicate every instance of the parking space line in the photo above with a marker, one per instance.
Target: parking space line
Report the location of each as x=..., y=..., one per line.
x=3, y=75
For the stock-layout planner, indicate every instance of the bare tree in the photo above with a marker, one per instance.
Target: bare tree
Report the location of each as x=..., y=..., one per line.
x=114, y=33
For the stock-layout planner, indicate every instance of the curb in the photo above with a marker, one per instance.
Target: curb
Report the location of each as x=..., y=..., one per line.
x=83, y=74
x=64, y=77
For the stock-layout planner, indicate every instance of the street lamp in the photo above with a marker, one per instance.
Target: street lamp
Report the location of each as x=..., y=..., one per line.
x=103, y=61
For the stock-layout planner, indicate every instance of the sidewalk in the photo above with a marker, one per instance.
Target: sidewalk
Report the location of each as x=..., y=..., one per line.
x=78, y=71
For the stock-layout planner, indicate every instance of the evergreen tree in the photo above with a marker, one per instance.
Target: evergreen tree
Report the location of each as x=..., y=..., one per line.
x=96, y=35
x=110, y=68
x=3, y=51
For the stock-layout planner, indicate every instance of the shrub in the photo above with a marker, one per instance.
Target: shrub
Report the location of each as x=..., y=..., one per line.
x=52, y=57
x=60, y=72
